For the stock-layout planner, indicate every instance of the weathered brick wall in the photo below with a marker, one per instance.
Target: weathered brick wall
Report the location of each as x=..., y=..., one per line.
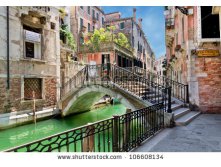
x=209, y=81
x=2, y=94
x=13, y=96
x=18, y=104
x=112, y=16
x=50, y=91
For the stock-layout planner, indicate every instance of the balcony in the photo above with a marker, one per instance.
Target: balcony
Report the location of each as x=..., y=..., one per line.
x=178, y=48
x=169, y=23
x=45, y=9
x=94, y=19
x=106, y=47
x=41, y=12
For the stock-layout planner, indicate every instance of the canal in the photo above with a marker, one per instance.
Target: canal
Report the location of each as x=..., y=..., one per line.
x=23, y=134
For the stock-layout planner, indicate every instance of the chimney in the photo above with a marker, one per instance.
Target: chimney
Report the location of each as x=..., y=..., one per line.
x=134, y=14
x=140, y=22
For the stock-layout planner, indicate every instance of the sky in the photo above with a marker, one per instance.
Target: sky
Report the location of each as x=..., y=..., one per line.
x=153, y=23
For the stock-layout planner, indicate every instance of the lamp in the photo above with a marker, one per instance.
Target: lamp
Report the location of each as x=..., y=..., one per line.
x=182, y=9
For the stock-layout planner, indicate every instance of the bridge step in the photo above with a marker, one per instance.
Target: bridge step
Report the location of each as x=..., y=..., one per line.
x=180, y=112
x=187, y=118
x=175, y=106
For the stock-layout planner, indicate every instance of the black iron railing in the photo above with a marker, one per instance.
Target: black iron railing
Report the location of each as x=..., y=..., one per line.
x=178, y=90
x=117, y=134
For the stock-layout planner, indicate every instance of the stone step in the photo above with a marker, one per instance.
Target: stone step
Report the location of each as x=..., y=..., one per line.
x=187, y=118
x=180, y=112
x=149, y=96
x=175, y=106
x=172, y=102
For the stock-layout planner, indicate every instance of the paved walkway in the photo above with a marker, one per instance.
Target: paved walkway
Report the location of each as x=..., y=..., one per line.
x=202, y=135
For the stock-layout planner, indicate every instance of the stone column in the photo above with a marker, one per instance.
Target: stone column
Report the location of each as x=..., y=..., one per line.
x=88, y=142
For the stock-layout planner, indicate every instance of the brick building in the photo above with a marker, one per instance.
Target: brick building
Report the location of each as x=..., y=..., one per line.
x=86, y=19
x=132, y=28
x=193, y=53
x=32, y=45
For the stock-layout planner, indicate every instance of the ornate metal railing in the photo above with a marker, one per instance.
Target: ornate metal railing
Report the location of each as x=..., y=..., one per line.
x=117, y=134
x=141, y=86
x=178, y=90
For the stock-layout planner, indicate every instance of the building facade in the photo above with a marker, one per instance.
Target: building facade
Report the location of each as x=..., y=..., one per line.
x=132, y=28
x=86, y=19
x=193, y=53
x=159, y=69
x=29, y=58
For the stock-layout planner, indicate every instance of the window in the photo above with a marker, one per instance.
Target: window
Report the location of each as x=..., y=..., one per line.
x=53, y=25
x=176, y=38
x=97, y=16
x=122, y=25
x=93, y=28
x=133, y=41
x=93, y=14
x=82, y=7
x=140, y=33
x=89, y=10
x=141, y=48
x=30, y=85
x=138, y=46
x=32, y=42
x=29, y=49
x=81, y=40
x=89, y=27
x=81, y=23
x=102, y=21
x=182, y=29
x=209, y=23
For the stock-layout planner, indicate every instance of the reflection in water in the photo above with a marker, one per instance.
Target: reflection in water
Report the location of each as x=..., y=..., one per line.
x=27, y=133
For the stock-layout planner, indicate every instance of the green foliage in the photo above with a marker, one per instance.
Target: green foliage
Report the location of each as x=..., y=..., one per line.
x=106, y=35
x=122, y=40
x=70, y=38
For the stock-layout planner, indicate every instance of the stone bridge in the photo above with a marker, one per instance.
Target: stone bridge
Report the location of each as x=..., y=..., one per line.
x=84, y=98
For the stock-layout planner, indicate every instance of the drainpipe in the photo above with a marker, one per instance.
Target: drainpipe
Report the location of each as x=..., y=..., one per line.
x=8, y=74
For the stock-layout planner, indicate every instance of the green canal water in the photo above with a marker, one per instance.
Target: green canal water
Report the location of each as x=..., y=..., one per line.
x=27, y=133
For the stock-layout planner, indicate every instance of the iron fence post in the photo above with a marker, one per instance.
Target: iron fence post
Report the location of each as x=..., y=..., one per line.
x=187, y=94
x=116, y=133
x=169, y=110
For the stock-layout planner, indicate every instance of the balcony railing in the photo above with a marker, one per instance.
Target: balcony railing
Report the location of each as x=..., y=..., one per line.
x=41, y=8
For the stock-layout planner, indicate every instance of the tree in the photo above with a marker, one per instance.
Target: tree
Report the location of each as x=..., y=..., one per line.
x=106, y=35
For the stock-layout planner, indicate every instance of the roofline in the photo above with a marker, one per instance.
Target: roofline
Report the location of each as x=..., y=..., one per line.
x=111, y=13
x=115, y=20
x=100, y=10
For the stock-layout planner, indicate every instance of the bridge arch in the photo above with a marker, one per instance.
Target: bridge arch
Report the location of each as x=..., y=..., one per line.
x=86, y=97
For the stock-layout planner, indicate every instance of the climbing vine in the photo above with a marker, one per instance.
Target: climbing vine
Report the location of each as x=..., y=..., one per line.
x=69, y=36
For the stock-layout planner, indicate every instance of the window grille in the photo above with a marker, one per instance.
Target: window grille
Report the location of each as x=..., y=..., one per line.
x=30, y=85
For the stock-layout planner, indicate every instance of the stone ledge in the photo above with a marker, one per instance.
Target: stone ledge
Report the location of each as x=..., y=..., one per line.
x=33, y=60
x=12, y=119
